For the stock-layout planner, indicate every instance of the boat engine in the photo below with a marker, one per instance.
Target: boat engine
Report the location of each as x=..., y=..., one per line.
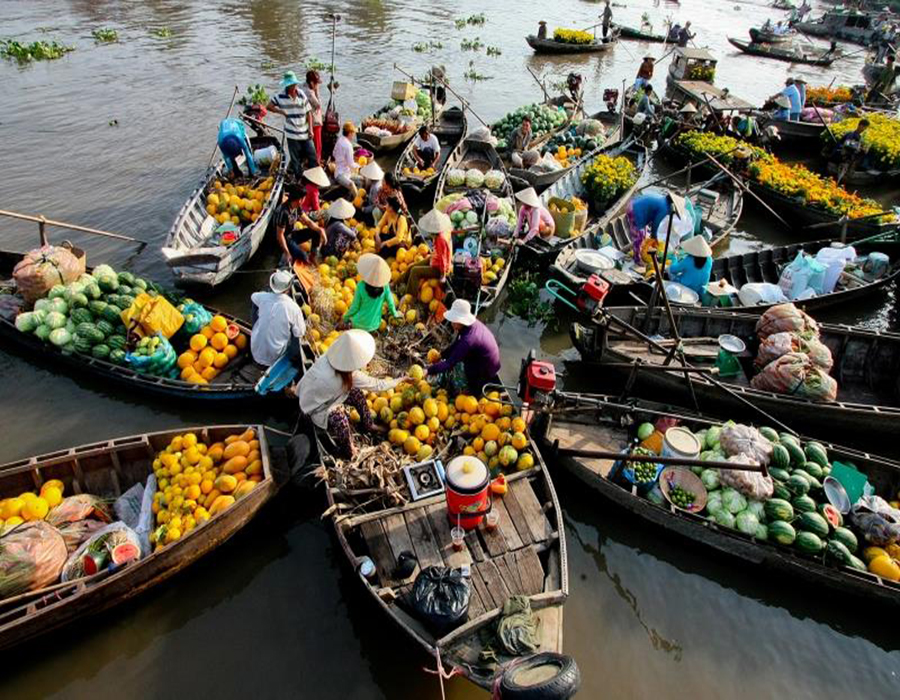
x=537, y=381
x=611, y=98
x=592, y=294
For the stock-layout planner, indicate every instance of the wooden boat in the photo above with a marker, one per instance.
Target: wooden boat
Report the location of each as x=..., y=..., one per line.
x=107, y=469
x=386, y=144
x=720, y=201
x=864, y=177
x=857, y=27
x=450, y=128
x=639, y=34
x=866, y=365
x=236, y=382
x=596, y=422
x=570, y=186
x=551, y=46
x=794, y=133
x=765, y=36
x=792, y=55
x=526, y=556
x=190, y=251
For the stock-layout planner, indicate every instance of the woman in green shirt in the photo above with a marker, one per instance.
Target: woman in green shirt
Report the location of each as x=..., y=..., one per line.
x=372, y=293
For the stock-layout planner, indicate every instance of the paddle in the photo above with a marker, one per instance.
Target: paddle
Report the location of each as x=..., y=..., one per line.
x=684, y=170
x=538, y=81
x=465, y=103
x=42, y=221
x=227, y=114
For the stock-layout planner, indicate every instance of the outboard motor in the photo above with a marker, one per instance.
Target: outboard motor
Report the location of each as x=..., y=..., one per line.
x=537, y=381
x=592, y=294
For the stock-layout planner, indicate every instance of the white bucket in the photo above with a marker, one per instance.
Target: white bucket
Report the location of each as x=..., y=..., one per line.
x=264, y=157
x=680, y=442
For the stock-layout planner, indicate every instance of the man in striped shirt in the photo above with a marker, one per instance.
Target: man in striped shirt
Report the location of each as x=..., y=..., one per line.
x=293, y=105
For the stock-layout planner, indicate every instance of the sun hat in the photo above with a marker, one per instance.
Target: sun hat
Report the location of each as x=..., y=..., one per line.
x=352, y=351
x=721, y=288
x=697, y=246
x=349, y=126
x=317, y=176
x=373, y=270
x=341, y=209
x=688, y=108
x=372, y=171
x=678, y=205
x=460, y=312
x=280, y=281
x=289, y=78
x=528, y=196
x=783, y=102
x=435, y=222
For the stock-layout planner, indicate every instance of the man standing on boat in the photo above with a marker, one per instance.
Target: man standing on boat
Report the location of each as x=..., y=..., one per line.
x=279, y=324
x=232, y=142
x=298, y=124
x=542, y=30
x=792, y=94
x=685, y=35
x=884, y=83
x=607, y=19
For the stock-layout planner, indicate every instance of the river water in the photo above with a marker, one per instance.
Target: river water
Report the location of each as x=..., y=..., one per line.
x=116, y=136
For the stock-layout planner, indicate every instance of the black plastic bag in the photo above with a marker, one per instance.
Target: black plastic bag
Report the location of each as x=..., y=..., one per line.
x=440, y=598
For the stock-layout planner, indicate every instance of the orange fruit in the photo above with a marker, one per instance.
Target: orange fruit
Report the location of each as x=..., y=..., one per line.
x=186, y=359
x=188, y=372
x=207, y=356
x=209, y=373
x=218, y=324
x=490, y=432
x=219, y=341
x=241, y=341
x=230, y=351
x=207, y=332
x=198, y=342
x=220, y=361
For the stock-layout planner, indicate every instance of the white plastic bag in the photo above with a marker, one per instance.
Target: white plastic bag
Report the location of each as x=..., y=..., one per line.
x=754, y=293
x=802, y=274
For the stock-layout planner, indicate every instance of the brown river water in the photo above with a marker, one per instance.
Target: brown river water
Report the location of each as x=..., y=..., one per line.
x=274, y=612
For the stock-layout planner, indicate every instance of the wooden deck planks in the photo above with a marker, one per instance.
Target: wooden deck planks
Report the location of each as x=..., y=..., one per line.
x=532, y=512
x=380, y=550
x=517, y=514
x=437, y=516
x=422, y=537
x=586, y=437
x=506, y=527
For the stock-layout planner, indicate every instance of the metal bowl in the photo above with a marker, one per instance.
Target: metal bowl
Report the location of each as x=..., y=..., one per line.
x=732, y=343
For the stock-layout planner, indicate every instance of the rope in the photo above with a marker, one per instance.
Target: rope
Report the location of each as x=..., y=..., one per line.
x=440, y=672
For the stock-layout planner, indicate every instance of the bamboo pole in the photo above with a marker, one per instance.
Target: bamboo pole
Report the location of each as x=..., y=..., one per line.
x=43, y=221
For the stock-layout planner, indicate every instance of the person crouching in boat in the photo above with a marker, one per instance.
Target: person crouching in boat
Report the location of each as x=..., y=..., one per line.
x=534, y=219
x=372, y=294
x=314, y=180
x=389, y=188
x=694, y=269
x=291, y=238
x=335, y=383
x=643, y=211
x=339, y=236
x=233, y=141
x=441, y=263
x=373, y=178
x=392, y=232
x=849, y=149
x=279, y=323
x=426, y=148
x=474, y=351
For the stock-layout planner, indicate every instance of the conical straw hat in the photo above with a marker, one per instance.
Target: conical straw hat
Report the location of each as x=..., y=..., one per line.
x=373, y=270
x=341, y=209
x=352, y=351
x=435, y=222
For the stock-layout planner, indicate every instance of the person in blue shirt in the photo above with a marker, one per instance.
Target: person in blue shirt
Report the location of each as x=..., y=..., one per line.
x=233, y=141
x=648, y=209
x=793, y=95
x=695, y=268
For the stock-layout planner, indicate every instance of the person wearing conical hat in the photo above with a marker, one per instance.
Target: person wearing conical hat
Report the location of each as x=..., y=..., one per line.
x=373, y=179
x=440, y=265
x=338, y=234
x=279, y=324
x=534, y=219
x=371, y=295
x=475, y=349
x=335, y=383
x=298, y=124
x=293, y=228
x=693, y=270
x=314, y=179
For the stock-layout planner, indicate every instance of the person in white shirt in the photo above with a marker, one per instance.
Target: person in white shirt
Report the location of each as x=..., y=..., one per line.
x=426, y=148
x=335, y=383
x=344, y=164
x=279, y=325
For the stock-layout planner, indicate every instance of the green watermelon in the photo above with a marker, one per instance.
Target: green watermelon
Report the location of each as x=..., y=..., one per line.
x=81, y=316
x=813, y=469
x=108, y=284
x=116, y=342
x=781, y=491
x=779, y=474
x=778, y=509
x=140, y=283
x=803, y=504
x=838, y=551
x=809, y=542
x=117, y=356
x=78, y=301
x=82, y=345
x=813, y=522
x=781, y=458
x=105, y=327
x=126, y=277
x=111, y=313
x=816, y=452
x=856, y=563
x=126, y=301
x=90, y=332
x=769, y=434
x=92, y=291
x=797, y=456
x=846, y=538
x=798, y=484
x=125, y=289
x=831, y=514
x=97, y=307
x=781, y=532
x=101, y=351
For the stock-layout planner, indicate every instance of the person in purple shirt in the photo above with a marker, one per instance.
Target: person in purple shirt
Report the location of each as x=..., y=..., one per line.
x=475, y=346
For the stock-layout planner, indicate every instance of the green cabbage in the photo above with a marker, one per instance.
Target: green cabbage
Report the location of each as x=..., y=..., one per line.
x=762, y=532
x=42, y=305
x=710, y=479
x=59, y=305
x=55, y=320
x=733, y=501
x=724, y=518
x=758, y=509
x=712, y=437
x=43, y=332
x=474, y=178
x=103, y=271
x=57, y=290
x=60, y=337
x=714, y=502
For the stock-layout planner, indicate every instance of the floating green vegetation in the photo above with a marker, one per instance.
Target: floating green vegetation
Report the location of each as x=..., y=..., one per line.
x=105, y=35
x=162, y=32
x=471, y=21
x=35, y=51
x=471, y=44
x=315, y=64
x=423, y=46
x=493, y=51
x=524, y=299
x=473, y=75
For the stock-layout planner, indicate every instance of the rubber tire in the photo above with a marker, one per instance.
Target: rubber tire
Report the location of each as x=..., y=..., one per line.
x=562, y=686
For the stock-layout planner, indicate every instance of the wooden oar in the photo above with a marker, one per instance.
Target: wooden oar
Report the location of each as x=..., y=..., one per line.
x=538, y=81
x=43, y=221
x=465, y=103
x=658, y=459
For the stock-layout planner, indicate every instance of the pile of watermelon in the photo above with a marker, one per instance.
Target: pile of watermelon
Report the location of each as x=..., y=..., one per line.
x=85, y=316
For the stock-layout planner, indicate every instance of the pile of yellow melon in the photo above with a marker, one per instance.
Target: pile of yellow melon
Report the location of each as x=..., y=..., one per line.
x=563, y=155
x=29, y=505
x=490, y=271
x=210, y=351
x=239, y=204
x=196, y=481
x=418, y=172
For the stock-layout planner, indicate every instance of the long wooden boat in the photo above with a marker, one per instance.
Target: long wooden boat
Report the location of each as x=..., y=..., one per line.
x=857, y=27
x=558, y=47
x=450, y=128
x=546, y=250
x=764, y=36
x=236, y=382
x=866, y=365
x=859, y=177
x=780, y=54
x=719, y=200
x=107, y=469
x=797, y=133
x=599, y=423
x=386, y=144
x=190, y=251
x=639, y=34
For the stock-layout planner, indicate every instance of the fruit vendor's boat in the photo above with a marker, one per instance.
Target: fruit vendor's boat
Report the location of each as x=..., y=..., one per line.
x=107, y=469
x=191, y=248
x=235, y=382
x=598, y=45
x=866, y=365
x=792, y=55
x=639, y=34
x=690, y=77
x=450, y=128
x=570, y=186
x=525, y=556
x=385, y=144
x=720, y=201
x=585, y=423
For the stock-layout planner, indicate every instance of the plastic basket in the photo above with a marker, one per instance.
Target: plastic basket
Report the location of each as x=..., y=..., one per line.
x=565, y=222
